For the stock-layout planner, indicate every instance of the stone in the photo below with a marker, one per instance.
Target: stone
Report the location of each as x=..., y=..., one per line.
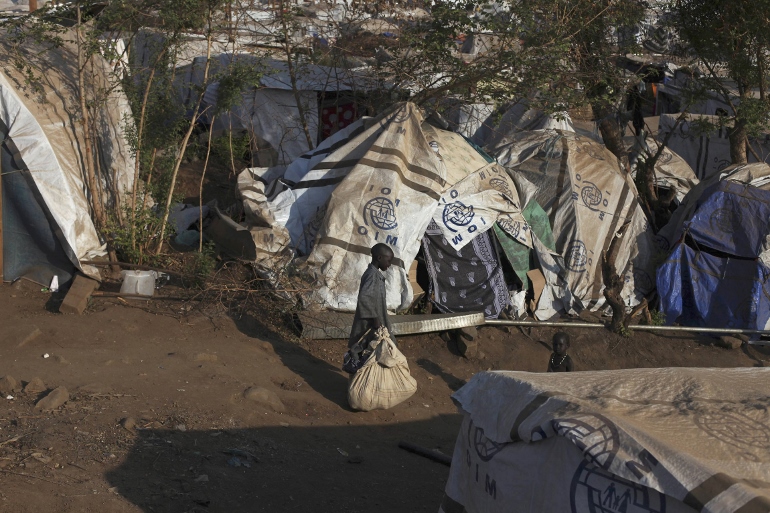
x=35, y=386
x=129, y=424
x=265, y=397
x=468, y=333
x=8, y=385
x=60, y=359
x=205, y=357
x=728, y=342
x=467, y=348
x=76, y=300
x=53, y=400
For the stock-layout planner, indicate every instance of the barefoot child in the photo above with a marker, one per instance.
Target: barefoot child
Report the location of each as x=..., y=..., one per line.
x=560, y=360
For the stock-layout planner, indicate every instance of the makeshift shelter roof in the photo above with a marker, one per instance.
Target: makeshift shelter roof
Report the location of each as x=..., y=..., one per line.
x=756, y=175
x=673, y=440
x=717, y=274
x=47, y=224
x=671, y=170
x=379, y=180
x=589, y=200
x=707, y=153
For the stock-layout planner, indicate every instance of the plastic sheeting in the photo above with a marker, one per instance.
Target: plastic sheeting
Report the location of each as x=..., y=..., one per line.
x=757, y=175
x=714, y=277
x=708, y=154
x=588, y=199
x=388, y=196
x=46, y=143
x=473, y=205
x=634, y=441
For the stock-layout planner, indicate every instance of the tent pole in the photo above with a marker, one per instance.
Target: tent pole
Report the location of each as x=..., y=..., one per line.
x=643, y=327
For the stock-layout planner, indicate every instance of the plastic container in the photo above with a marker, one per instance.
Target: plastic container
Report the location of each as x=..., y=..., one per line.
x=139, y=283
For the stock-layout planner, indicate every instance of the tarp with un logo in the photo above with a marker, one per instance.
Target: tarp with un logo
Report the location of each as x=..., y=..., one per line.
x=589, y=199
x=627, y=441
x=388, y=196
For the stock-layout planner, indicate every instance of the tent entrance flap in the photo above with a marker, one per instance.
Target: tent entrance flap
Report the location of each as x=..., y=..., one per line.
x=31, y=247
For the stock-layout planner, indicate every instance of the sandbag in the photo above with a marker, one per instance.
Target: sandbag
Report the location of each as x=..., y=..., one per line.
x=384, y=380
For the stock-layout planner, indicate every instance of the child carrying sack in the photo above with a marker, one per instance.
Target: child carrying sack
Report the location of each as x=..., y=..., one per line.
x=384, y=380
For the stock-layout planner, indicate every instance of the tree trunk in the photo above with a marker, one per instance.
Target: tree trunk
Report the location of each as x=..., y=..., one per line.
x=91, y=179
x=185, y=140
x=613, y=284
x=739, y=139
x=611, y=134
x=200, y=188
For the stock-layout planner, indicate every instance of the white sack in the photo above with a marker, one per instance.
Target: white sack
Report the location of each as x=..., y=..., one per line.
x=384, y=380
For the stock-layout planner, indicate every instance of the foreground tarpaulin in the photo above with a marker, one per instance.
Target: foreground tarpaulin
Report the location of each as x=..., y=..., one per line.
x=635, y=440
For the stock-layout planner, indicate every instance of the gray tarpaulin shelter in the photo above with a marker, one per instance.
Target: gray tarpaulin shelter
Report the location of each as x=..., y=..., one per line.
x=46, y=221
x=589, y=199
x=381, y=179
x=627, y=441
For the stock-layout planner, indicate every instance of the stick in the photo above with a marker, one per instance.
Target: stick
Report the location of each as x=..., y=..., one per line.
x=118, y=295
x=427, y=453
x=131, y=266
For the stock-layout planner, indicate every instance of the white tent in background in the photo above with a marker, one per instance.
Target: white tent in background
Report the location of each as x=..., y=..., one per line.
x=47, y=224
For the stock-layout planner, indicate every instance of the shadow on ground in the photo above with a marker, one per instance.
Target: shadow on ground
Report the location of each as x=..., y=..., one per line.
x=277, y=469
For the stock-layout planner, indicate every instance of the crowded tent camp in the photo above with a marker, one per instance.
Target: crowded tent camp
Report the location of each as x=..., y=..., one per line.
x=495, y=257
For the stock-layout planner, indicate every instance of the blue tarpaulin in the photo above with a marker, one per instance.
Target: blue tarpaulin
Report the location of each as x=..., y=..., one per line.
x=713, y=277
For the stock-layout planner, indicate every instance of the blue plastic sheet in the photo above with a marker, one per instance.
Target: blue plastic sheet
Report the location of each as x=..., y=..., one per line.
x=732, y=218
x=699, y=289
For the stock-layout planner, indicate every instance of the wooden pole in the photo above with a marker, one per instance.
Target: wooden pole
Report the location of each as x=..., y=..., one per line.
x=32, y=5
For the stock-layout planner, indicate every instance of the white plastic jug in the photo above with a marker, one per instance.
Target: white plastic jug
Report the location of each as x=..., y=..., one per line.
x=140, y=283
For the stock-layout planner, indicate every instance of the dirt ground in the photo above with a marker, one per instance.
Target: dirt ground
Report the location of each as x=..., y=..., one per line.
x=199, y=446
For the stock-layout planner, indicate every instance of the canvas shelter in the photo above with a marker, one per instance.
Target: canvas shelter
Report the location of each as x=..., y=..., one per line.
x=588, y=199
x=755, y=175
x=47, y=224
x=716, y=274
x=679, y=440
x=706, y=153
x=382, y=179
x=672, y=172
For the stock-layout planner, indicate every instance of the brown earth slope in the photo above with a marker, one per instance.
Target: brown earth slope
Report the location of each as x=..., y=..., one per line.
x=195, y=443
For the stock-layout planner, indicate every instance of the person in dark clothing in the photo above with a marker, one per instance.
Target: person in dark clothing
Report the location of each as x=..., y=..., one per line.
x=372, y=310
x=560, y=360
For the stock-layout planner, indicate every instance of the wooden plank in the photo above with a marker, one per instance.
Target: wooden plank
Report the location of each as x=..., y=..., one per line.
x=76, y=300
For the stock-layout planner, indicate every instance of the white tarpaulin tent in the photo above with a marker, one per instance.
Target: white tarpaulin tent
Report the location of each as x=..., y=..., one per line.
x=378, y=180
x=706, y=153
x=671, y=170
x=631, y=441
x=589, y=199
x=47, y=225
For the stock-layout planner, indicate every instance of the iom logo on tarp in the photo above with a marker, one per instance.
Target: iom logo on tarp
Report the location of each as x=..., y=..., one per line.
x=576, y=257
x=598, y=491
x=457, y=214
x=501, y=186
x=380, y=215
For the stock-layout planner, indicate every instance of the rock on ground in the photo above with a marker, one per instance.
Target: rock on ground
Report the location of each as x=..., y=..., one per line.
x=8, y=385
x=729, y=342
x=56, y=398
x=265, y=397
x=35, y=386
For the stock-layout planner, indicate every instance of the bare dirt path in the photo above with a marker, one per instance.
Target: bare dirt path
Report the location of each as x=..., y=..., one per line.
x=198, y=445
